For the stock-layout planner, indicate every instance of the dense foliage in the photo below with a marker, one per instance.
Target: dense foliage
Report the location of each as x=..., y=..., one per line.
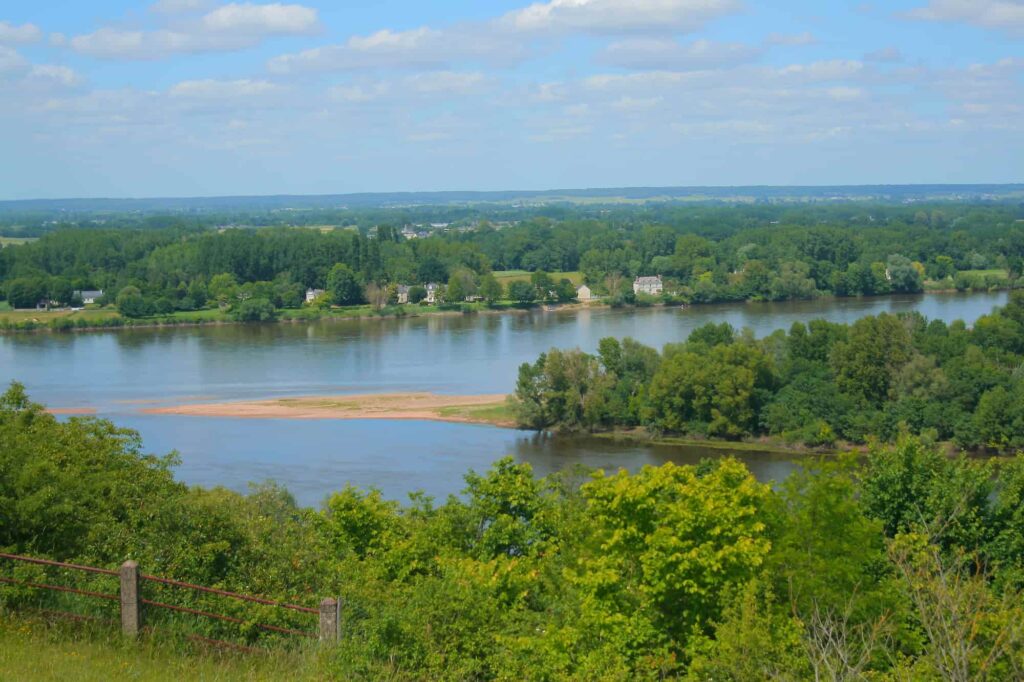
x=705, y=253
x=908, y=566
x=816, y=384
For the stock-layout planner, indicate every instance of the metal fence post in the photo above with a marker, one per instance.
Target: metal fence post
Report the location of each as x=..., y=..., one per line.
x=329, y=617
x=131, y=607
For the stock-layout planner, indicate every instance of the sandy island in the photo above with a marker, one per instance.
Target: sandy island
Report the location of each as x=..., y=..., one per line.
x=472, y=409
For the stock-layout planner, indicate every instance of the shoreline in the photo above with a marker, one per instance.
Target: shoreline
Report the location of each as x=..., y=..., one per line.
x=405, y=312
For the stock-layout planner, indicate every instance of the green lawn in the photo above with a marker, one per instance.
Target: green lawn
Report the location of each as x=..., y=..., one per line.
x=44, y=316
x=506, y=277
x=9, y=241
x=34, y=649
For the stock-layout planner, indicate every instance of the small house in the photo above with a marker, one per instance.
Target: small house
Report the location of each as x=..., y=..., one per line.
x=89, y=296
x=402, y=294
x=313, y=294
x=584, y=294
x=648, y=285
x=433, y=289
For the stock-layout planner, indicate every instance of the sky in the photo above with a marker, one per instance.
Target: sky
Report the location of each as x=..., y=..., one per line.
x=110, y=98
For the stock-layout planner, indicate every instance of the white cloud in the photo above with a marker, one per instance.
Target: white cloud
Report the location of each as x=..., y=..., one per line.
x=618, y=16
x=53, y=74
x=446, y=82
x=419, y=48
x=885, y=55
x=230, y=27
x=1000, y=15
x=216, y=89
x=659, y=53
x=358, y=94
x=11, y=62
x=16, y=35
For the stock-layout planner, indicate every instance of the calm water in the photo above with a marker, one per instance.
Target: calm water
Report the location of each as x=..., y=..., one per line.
x=117, y=372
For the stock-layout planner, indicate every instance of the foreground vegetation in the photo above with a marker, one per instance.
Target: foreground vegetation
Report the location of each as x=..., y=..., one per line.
x=904, y=565
x=816, y=385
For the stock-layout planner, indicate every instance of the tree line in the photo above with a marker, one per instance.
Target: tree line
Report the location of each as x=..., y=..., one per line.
x=816, y=384
x=704, y=253
x=902, y=565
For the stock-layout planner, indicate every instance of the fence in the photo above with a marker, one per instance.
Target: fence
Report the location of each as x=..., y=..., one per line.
x=133, y=604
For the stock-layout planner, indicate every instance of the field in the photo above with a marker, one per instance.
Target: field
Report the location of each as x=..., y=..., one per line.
x=11, y=241
x=32, y=649
x=45, y=316
x=506, y=277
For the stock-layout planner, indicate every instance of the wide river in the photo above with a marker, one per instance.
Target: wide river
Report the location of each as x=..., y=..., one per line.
x=119, y=372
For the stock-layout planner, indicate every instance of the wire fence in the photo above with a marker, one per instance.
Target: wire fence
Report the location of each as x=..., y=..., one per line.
x=219, y=615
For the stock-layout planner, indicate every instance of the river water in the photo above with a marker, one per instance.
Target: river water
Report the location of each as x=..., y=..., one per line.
x=118, y=372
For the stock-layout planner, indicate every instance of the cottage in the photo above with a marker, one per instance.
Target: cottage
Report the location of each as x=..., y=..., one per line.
x=313, y=294
x=402, y=294
x=648, y=285
x=88, y=296
x=433, y=291
x=584, y=294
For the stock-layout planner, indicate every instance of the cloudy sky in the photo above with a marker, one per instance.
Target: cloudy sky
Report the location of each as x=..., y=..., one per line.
x=198, y=97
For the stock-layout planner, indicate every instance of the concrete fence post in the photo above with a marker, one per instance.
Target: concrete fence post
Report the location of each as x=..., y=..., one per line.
x=329, y=619
x=131, y=606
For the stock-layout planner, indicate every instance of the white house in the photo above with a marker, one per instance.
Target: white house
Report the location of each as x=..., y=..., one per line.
x=89, y=296
x=402, y=294
x=432, y=291
x=313, y=294
x=584, y=294
x=648, y=285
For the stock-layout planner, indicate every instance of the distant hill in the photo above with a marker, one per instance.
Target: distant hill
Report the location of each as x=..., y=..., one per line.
x=769, y=194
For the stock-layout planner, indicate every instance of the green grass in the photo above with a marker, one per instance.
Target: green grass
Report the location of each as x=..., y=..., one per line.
x=492, y=414
x=44, y=316
x=506, y=277
x=32, y=648
x=11, y=241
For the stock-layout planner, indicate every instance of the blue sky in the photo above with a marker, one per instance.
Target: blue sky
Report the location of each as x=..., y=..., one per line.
x=204, y=97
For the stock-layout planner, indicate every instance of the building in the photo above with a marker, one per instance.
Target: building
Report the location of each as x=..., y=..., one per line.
x=584, y=294
x=89, y=296
x=313, y=294
x=648, y=285
x=433, y=289
x=402, y=294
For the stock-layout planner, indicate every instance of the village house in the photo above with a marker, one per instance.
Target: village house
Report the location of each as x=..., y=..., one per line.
x=648, y=285
x=313, y=294
x=402, y=294
x=88, y=296
x=433, y=289
x=584, y=294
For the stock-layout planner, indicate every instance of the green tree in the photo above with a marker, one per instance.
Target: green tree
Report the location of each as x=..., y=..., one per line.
x=866, y=364
x=490, y=288
x=343, y=285
x=522, y=292
x=130, y=302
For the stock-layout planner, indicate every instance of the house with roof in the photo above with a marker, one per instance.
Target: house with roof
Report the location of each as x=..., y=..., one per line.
x=402, y=294
x=648, y=285
x=433, y=292
x=313, y=294
x=88, y=296
x=584, y=294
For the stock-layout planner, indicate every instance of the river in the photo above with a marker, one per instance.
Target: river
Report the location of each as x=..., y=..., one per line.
x=118, y=372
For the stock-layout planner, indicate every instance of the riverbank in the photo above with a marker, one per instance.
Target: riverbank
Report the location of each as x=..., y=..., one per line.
x=106, y=319
x=491, y=409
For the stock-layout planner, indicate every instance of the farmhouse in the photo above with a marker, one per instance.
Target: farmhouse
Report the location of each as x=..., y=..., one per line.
x=433, y=289
x=313, y=294
x=88, y=296
x=648, y=285
x=584, y=294
x=402, y=294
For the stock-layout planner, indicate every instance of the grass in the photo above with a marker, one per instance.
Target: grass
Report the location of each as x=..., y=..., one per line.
x=506, y=277
x=499, y=415
x=14, y=316
x=33, y=648
x=11, y=241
